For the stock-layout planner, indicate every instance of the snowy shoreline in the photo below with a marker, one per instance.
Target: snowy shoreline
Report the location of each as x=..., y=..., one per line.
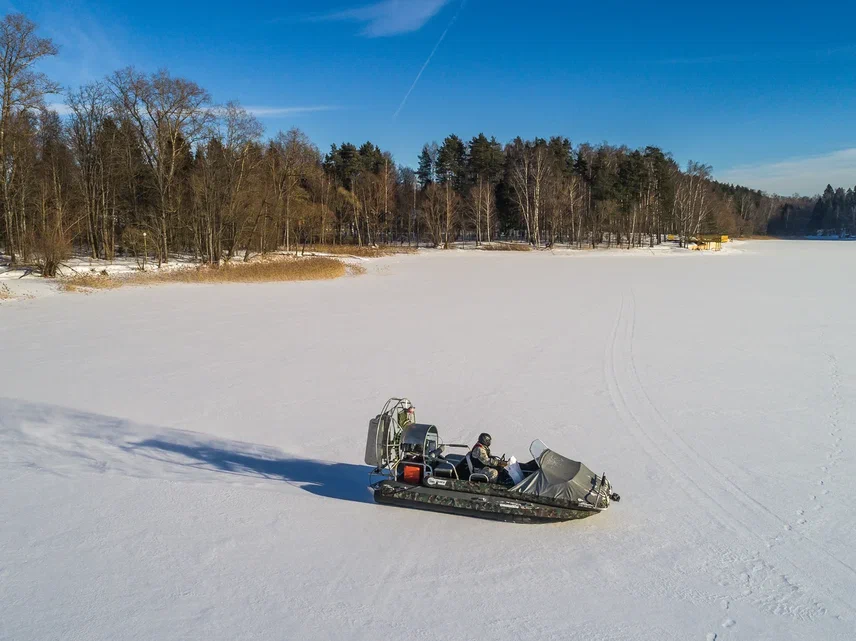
x=24, y=283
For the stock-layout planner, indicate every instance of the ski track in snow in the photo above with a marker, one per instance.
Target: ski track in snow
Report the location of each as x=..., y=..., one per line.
x=745, y=566
x=184, y=463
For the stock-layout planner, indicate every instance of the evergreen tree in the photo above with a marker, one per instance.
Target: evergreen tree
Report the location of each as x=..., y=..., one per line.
x=427, y=171
x=452, y=162
x=823, y=210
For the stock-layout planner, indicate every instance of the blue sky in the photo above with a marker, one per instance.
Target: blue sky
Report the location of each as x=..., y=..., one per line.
x=763, y=91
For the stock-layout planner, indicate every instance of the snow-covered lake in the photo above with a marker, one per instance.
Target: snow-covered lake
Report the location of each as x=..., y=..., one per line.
x=184, y=462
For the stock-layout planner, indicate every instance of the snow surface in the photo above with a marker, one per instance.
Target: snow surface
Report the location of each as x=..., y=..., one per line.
x=184, y=462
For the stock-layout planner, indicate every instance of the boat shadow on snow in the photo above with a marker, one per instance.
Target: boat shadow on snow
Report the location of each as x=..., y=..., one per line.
x=70, y=442
x=342, y=481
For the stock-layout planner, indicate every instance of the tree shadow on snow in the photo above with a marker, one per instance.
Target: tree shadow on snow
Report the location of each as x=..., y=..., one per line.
x=342, y=481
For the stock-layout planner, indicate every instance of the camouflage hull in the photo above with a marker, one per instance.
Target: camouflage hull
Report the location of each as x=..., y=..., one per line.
x=478, y=500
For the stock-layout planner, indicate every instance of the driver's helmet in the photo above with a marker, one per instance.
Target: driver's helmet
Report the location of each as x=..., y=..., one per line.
x=484, y=439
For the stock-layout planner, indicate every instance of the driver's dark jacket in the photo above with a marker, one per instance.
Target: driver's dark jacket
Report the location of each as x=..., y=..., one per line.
x=481, y=458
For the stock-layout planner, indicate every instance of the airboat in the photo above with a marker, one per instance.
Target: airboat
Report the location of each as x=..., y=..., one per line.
x=414, y=468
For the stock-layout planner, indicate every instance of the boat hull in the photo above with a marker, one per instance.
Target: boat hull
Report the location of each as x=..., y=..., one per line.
x=476, y=500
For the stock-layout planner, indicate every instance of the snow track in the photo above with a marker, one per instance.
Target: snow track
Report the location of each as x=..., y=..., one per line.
x=753, y=539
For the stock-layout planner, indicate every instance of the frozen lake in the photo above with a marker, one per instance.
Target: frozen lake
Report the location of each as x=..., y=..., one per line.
x=184, y=462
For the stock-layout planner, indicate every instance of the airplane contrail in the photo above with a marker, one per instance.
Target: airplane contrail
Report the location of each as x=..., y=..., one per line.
x=424, y=66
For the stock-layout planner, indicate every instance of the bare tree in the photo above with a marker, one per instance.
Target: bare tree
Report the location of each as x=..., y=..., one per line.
x=169, y=116
x=23, y=89
x=528, y=168
x=240, y=133
x=54, y=193
x=451, y=202
x=540, y=173
x=519, y=177
x=290, y=157
x=433, y=212
x=692, y=200
x=90, y=107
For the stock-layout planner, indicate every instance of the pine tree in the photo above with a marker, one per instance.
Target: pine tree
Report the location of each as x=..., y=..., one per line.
x=427, y=171
x=452, y=162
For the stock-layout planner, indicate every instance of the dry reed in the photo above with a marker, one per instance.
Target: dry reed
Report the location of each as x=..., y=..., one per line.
x=288, y=269
x=507, y=247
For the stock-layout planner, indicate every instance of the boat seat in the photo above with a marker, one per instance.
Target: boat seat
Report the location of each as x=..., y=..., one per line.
x=462, y=470
x=478, y=477
x=446, y=471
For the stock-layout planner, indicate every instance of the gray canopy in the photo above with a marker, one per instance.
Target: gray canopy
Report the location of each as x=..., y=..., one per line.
x=561, y=478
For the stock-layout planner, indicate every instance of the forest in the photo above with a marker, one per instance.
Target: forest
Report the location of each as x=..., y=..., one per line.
x=144, y=162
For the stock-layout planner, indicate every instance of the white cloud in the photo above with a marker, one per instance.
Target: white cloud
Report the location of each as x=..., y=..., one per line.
x=87, y=48
x=391, y=17
x=272, y=112
x=807, y=176
x=60, y=108
x=259, y=112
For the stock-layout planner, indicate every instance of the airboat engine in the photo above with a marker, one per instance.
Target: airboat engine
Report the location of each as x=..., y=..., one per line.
x=385, y=430
x=398, y=446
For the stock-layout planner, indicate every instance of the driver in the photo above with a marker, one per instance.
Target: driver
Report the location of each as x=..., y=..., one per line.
x=482, y=461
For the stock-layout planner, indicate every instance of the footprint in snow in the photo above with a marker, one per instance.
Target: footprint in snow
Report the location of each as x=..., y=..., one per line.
x=800, y=512
x=729, y=623
x=711, y=636
x=725, y=604
x=801, y=522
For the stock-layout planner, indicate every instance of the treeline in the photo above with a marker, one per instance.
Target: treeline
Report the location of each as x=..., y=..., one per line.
x=834, y=212
x=146, y=163
x=547, y=191
x=831, y=214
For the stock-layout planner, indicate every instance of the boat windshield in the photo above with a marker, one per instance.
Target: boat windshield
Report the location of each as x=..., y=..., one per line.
x=537, y=448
